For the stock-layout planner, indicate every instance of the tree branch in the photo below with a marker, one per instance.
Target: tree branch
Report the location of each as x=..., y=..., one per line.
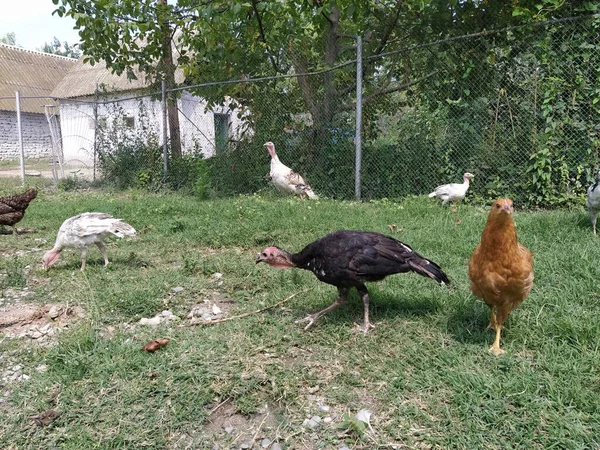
x=389, y=90
x=263, y=37
x=390, y=28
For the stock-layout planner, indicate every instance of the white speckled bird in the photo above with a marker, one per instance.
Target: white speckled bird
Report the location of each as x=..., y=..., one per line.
x=84, y=230
x=285, y=179
x=592, y=202
x=453, y=192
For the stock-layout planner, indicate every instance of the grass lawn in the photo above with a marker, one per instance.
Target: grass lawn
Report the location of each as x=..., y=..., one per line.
x=424, y=371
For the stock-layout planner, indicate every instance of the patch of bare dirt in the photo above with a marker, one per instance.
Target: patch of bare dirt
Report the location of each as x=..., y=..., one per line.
x=226, y=428
x=37, y=322
x=215, y=306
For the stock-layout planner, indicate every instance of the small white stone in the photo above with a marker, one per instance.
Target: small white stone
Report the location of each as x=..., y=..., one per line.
x=217, y=275
x=216, y=310
x=153, y=322
x=178, y=289
x=25, y=377
x=229, y=429
x=276, y=446
x=327, y=419
x=42, y=368
x=324, y=408
x=265, y=443
x=166, y=313
x=207, y=317
x=35, y=335
x=311, y=423
x=54, y=312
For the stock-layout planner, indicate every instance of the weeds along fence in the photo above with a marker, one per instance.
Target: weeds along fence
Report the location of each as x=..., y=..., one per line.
x=519, y=108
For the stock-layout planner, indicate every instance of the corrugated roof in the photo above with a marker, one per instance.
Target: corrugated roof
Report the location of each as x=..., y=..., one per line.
x=82, y=79
x=32, y=74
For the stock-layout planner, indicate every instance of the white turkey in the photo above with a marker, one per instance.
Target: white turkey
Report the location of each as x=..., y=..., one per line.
x=592, y=202
x=84, y=230
x=453, y=192
x=285, y=179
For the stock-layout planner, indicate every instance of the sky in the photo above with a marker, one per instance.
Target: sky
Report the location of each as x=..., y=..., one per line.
x=33, y=23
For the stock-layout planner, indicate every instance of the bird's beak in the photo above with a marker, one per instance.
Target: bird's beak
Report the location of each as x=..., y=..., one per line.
x=259, y=258
x=507, y=209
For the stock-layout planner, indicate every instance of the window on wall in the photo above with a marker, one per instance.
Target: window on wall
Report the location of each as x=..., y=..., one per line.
x=222, y=123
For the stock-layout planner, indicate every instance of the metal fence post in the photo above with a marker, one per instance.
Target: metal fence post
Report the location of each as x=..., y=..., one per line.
x=164, y=111
x=358, y=138
x=96, y=128
x=20, y=131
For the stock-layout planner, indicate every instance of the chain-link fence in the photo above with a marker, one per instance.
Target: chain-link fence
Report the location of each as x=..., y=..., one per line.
x=519, y=108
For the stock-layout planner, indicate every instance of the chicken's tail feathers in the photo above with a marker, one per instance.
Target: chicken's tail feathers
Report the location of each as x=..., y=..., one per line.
x=428, y=268
x=433, y=194
x=121, y=229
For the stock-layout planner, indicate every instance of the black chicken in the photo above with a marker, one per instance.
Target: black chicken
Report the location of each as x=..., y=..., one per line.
x=349, y=259
x=12, y=207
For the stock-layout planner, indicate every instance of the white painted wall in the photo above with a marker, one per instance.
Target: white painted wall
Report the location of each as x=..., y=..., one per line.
x=197, y=125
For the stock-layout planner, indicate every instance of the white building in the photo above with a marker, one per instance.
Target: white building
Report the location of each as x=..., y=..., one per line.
x=128, y=106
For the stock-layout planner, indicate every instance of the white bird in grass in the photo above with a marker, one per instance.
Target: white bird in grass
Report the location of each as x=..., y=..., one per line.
x=285, y=179
x=84, y=230
x=453, y=192
x=592, y=202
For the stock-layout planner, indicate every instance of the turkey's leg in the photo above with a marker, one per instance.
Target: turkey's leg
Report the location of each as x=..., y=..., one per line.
x=364, y=294
x=311, y=318
x=102, y=248
x=83, y=258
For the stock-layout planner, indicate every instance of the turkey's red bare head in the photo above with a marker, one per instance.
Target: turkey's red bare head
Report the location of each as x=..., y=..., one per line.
x=271, y=148
x=276, y=257
x=50, y=258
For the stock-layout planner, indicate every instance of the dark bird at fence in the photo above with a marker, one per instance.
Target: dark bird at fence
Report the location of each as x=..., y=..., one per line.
x=348, y=259
x=12, y=207
x=501, y=269
x=285, y=179
x=84, y=230
x=592, y=201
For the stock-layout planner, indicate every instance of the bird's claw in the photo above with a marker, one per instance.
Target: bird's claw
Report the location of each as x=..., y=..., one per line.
x=496, y=350
x=310, y=319
x=365, y=327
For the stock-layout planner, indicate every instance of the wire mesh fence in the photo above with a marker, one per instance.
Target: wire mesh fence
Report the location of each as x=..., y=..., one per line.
x=519, y=108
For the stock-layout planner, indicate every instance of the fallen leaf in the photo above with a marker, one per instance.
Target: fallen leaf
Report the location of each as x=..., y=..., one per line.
x=154, y=345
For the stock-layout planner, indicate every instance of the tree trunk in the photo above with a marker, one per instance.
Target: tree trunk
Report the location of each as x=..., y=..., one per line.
x=169, y=74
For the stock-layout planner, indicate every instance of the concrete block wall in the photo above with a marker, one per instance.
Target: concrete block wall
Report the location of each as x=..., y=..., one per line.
x=36, y=135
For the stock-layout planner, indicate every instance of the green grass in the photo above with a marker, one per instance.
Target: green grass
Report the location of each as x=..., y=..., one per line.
x=424, y=371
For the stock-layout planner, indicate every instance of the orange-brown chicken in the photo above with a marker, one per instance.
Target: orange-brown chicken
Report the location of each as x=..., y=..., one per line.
x=501, y=269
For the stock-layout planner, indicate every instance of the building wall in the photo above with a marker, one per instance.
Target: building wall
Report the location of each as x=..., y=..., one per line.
x=36, y=135
x=144, y=118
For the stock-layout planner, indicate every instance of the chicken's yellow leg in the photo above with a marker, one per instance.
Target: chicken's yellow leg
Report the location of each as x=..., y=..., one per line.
x=495, y=348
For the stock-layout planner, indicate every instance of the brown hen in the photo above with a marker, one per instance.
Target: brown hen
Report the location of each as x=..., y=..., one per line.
x=12, y=207
x=501, y=269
